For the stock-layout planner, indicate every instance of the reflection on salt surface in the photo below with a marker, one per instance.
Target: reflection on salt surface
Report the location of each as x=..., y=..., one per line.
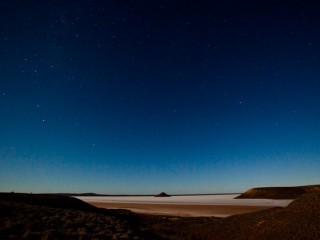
x=195, y=200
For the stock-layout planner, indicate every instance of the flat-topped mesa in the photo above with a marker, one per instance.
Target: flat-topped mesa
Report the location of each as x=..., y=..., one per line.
x=279, y=192
x=163, y=194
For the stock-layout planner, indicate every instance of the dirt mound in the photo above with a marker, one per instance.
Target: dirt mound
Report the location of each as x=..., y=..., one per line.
x=279, y=192
x=300, y=220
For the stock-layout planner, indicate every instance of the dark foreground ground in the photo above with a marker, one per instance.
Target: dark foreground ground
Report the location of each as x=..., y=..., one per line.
x=31, y=216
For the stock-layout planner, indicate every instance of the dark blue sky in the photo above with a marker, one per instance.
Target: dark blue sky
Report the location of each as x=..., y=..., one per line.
x=150, y=96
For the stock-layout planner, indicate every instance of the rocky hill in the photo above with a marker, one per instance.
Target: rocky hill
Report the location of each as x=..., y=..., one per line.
x=163, y=194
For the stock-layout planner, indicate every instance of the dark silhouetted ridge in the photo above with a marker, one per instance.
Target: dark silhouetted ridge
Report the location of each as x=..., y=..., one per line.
x=49, y=200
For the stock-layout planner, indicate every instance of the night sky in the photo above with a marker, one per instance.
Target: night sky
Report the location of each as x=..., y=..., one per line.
x=139, y=97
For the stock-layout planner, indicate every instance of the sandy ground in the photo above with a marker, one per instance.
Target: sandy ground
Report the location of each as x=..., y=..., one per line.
x=182, y=209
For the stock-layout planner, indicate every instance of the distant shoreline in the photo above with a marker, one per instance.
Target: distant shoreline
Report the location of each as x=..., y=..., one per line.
x=146, y=195
x=121, y=195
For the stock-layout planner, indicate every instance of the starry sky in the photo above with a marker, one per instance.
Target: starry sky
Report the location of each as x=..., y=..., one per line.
x=139, y=97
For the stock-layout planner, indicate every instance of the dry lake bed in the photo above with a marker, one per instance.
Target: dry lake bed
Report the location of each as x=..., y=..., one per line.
x=193, y=206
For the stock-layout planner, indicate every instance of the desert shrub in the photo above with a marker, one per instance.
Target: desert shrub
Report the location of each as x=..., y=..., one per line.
x=27, y=235
x=97, y=229
x=90, y=226
x=69, y=224
x=82, y=230
x=48, y=234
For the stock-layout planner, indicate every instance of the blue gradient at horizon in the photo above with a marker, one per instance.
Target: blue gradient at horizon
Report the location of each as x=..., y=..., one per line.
x=150, y=96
